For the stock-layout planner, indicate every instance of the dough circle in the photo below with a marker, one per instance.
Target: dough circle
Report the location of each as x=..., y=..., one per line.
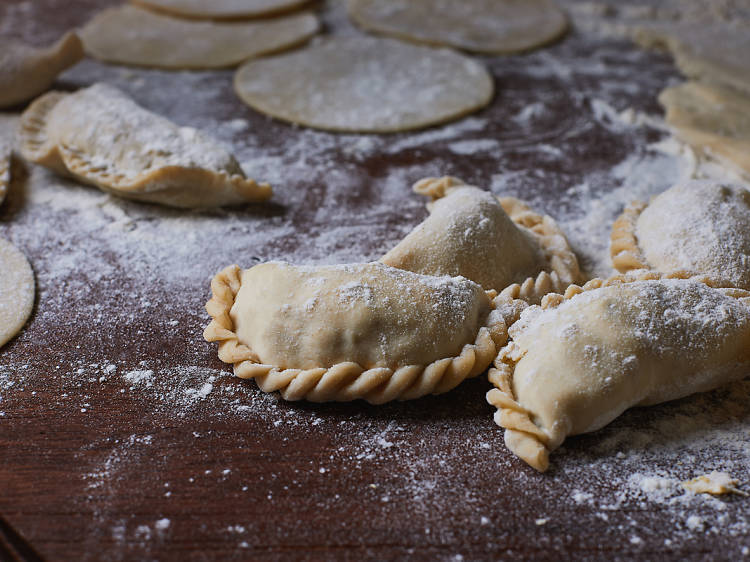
x=131, y=35
x=482, y=26
x=365, y=84
x=16, y=291
x=221, y=9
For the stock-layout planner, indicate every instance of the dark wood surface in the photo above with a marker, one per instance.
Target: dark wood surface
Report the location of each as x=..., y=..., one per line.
x=94, y=461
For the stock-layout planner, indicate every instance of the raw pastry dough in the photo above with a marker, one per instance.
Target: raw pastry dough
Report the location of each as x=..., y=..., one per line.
x=352, y=331
x=26, y=72
x=101, y=137
x=483, y=26
x=577, y=362
x=4, y=169
x=221, y=9
x=701, y=227
x=711, y=52
x=365, y=84
x=493, y=241
x=714, y=483
x=714, y=120
x=16, y=291
x=131, y=35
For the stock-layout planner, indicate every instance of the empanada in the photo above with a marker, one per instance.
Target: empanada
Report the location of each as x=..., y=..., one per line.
x=701, y=227
x=26, y=71
x=577, y=362
x=352, y=331
x=221, y=9
x=101, y=137
x=17, y=289
x=495, y=242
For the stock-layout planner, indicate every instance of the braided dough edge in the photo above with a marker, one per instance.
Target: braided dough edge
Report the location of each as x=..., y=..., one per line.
x=5, y=156
x=623, y=247
x=348, y=380
x=562, y=261
x=522, y=436
x=38, y=147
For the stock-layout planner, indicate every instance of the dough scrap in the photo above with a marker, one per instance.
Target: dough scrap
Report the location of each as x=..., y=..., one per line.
x=701, y=227
x=5, y=154
x=221, y=9
x=496, y=242
x=17, y=289
x=352, y=331
x=578, y=361
x=714, y=483
x=131, y=35
x=101, y=137
x=26, y=72
x=710, y=52
x=714, y=120
x=482, y=26
x=365, y=84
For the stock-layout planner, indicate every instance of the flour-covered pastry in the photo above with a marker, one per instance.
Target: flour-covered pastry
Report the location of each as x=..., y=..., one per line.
x=496, y=242
x=578, y=361
x=700, y=227
x=101, y=137
x=26, y=71
x=352, y=331
x=17, y=289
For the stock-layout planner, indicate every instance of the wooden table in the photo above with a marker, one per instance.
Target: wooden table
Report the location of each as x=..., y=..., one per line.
x=123, y=437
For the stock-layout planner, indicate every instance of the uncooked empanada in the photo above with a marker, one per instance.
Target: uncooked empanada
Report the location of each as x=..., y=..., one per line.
x=101, y=137
x=577, y=362
x=26, y=71
x=701, y=227
x=132, y=35
x=352, y=331
x=17, y=289
x=4, y=169
x=221, y=9
x=495, y=242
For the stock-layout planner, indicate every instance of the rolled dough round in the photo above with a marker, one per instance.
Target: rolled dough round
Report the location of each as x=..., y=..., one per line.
x=131, y=35
x=221, y=9
x=365, y=84
x=482, y=26
x=16, y=291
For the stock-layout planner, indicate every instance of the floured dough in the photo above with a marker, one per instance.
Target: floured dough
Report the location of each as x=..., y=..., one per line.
x=714, y=483
x=131, y=35
x=4, y=169
x=494, y=242
x=352, y=331
x=100, y=136
x=714, y=120
x=577, y=362
x=701, y=227
x=221, y=9
x=365, y=84
x=26, y=72
x=16, y=291
x=483, y=26
x=711, y=52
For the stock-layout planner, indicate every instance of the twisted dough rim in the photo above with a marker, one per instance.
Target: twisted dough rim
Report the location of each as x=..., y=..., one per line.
x=347, y=380
x=5, y=155
x=522, y=436
x=559, y=256
x=624, y=250
x=36, y=146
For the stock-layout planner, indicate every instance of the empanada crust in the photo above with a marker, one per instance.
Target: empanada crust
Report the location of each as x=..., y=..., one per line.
x=101, y=137
x=498, y=242
x=699, y=227
x=354, y=331
x=579, y=360
x=5, y=154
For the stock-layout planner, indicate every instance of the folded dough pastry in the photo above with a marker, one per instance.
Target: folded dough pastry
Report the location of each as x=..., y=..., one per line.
x=221, y=9
x=352, y=331
x=26, y=71
x=701, y=227
x=496, y=242
x=17, y=288
x=101, y=137
x=577, y=362
x=4, y=169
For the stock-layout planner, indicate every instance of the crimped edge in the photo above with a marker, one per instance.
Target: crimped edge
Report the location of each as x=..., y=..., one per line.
x=561, y=260
x=348, y=380
x=5, y=155
x=522, y=436
x=38, y=147
x=624, y=250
